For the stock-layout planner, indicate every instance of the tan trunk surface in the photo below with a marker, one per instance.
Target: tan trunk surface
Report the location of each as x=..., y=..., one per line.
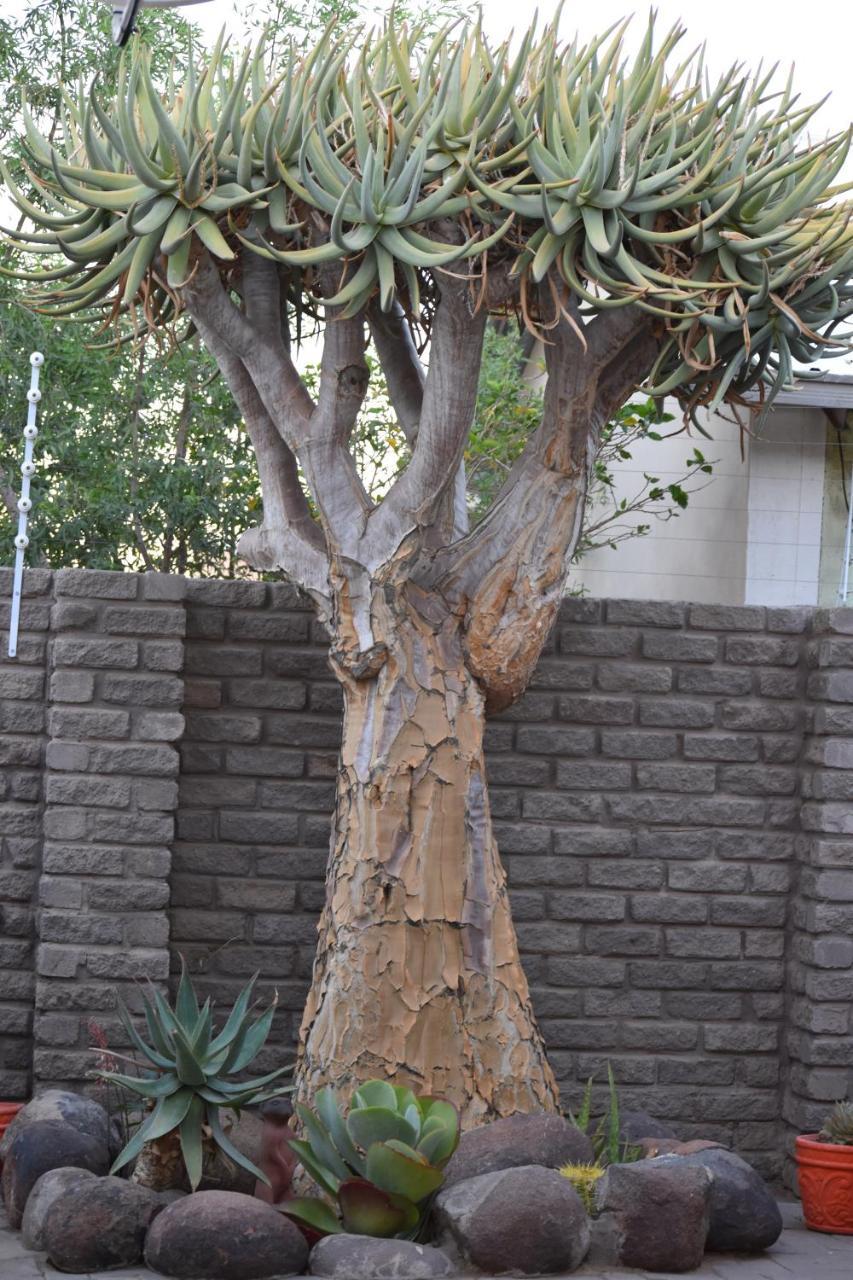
x=417, y=977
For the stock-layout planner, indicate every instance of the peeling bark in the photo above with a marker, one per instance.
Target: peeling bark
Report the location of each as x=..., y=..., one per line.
x=418, y=976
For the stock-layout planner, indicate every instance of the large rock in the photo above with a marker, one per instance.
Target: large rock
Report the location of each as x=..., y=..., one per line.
x=745, y=1217
x=50, y=1187
x=351, y=1257
x=38, y=1147
x=62, y=1106
x=528, y=1220
x=652, y=1215
x=223, y=1174
x=518, y=1140
x=223, y=1235
x=635, y=1125
x=99, y=1224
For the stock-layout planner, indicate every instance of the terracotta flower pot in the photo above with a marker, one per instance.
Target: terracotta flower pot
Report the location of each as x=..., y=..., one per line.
x=825, y=1174
x=8, y=1111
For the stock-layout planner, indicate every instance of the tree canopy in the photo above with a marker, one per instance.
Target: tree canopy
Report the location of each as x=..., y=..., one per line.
x=381, y=162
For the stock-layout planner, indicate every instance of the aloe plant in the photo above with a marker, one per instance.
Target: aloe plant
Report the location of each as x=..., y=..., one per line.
x=191, y=1074
x=382, y=1164
x=607, y=1144
x=838, y=1125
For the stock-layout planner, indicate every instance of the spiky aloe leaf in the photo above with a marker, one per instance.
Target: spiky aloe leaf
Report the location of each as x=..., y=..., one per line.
x=167, y=1115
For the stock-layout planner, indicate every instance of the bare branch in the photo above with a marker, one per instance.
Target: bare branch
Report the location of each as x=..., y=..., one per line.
x=289, y=536
x=449, y=399
x=509, y=574
x=401, y=365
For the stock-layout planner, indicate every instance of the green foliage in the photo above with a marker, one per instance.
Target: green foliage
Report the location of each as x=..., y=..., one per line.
x=191, y=1070
x=838, y=1126
x=607, y=1145
x=382, y=1165
x=584, y=1178
x=638, y=182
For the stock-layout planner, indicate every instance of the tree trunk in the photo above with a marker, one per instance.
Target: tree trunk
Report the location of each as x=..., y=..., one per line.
x=417, y=976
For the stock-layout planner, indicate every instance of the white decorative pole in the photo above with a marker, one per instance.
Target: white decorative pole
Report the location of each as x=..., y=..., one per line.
x=25, y=502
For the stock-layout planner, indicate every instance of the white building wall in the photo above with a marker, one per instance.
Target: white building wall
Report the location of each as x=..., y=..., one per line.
x=751, y=535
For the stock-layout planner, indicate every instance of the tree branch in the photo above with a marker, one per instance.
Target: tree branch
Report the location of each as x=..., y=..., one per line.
x=401, y=365
x=289, y=538
x=507, y=577
x=414, y=501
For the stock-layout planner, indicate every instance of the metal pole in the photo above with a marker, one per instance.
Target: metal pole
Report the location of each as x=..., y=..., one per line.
x=25, y=501
x=844, y=589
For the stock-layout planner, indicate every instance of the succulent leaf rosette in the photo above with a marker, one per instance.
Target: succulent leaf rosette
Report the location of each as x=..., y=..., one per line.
x=391, y=159
x=192, y=1072
x=382, y=1164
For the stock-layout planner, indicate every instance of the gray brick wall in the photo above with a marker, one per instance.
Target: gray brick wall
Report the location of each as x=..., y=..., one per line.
x=671, y=797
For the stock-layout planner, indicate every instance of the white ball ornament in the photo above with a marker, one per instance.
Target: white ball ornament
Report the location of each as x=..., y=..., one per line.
x=34, y=395
x=21, y=541
x=36, y=359
x=25, y=504
x=28, y=468
x=30, y=433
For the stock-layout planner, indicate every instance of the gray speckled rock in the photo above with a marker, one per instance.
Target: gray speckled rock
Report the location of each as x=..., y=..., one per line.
x=654, y=1214
x=223, y=1235
x=99, y=1224
x=50, y=1187
x=528, y=1220
x=38, y=1147
x=745, y=1217
x=352, y=1257
x=63, y=1106
x=639, y=1124
x=518, y=1140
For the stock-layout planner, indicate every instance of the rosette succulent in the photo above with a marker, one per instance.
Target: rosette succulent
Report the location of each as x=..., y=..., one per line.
x=190, y=1076
x=382, y=1164
x=838, y=1125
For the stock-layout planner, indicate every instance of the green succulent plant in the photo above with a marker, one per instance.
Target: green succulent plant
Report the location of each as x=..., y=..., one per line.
x=607, y=1145
x=192, y=1076
x=383, y=160
x=382, y=1164
x=838, y=1126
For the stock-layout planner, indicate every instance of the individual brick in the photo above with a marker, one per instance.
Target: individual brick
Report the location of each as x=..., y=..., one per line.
x=598, y=642
x=595, y=710
x=122, y=654
x=679, y=647
x=96, y=584
x=690, y=778
x=646, y=613
x=721, y=746
x=277, y=695
x=636, y=744
x=598, y=775
x=620, y=677
x=144, y=621
x=676, y=713
x=282, y=628
x=715, y=680
x=668, y=908
x=555, y=740
x=719, y=617
x=586, y=906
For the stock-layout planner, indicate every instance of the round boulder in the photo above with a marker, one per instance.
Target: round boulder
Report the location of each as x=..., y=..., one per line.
x=352, y=1257
x=99, y=1224
x=65, y=1107
x=223, y=1235
x=652, y=1215
x=547, y=1140
x=50, y=1187
x=745, y=1217
x=40, y=1146
x=528, y=1220
x=635, y=1125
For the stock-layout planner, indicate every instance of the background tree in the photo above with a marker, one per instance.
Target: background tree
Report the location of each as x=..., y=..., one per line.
x=656, y=229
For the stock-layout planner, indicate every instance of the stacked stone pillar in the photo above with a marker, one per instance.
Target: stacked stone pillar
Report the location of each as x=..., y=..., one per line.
x=819, y=1042
x=110, y=793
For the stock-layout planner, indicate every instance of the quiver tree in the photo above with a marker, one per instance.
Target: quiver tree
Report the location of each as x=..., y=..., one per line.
x=656, y=230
